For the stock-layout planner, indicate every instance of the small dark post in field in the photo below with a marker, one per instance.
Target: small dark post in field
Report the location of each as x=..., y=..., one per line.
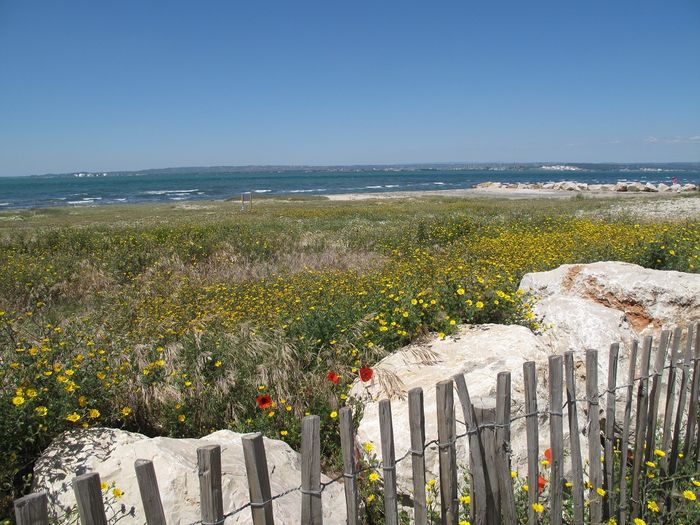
x=211, y=497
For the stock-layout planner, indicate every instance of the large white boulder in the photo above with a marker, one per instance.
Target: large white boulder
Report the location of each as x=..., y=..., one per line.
x=479, y=352
x=112, y=453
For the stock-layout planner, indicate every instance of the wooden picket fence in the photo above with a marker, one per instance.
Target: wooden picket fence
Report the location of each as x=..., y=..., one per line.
x=488, y=433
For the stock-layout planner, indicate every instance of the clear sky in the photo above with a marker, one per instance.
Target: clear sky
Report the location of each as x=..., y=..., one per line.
x=134, y=84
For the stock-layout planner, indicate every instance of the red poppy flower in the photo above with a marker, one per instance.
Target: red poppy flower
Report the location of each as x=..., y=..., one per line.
x=333, y=377
x=264, y=401
x=541, y=482
x=366, y=373
x=548, y=454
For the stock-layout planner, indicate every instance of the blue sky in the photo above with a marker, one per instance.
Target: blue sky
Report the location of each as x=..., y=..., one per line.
x=88, y=85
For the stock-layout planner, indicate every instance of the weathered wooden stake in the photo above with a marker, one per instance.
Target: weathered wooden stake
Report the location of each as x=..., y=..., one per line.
x=556, y=438
x=386, y=431
x=655, y=394
x=641, y=424
x=258, y=479
x=507, y=503
x=416, y=422
x=32, y=509
x=150, y=496
x=311, y=506
x=694, y=394
x=347, y=443
x=594, y=463
x=682, y=398
x=532, y=439
x=448, y=452
x=88, y=496
x=624, y=506
x=476, y=455
x=211, y=497
x=670, y=398
x=574, y=438
x=609, y=456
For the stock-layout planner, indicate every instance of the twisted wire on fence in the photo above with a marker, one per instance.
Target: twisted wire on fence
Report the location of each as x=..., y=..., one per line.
x=475, y=430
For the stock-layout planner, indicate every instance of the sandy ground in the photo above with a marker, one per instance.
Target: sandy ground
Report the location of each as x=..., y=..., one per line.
x=649, y=205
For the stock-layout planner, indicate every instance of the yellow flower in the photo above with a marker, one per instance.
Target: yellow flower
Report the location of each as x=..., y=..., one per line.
x=465, y=500
x=82, y=401
x=370, y=498
x=651, y=464
x=369, y=447
x=101, y=375
x=73, y=417
x=479, y=305
x=373, y=477
x=261, y=387
x=126, y=411
x=18, y=401
x=601, y=492
x=525, y=487
x=94, y=413
x=513, y=474
x=181, y=418
x=334, y=414
x=460, y=291
x=464, y=522
x=689, y=495
x=117, y=493
x=41, y=410
x=283, y=432
x=544, y=462
x=431, y=483
x=537, y=507
x=104, y=486
x=639, y=521
x=659, y=453
x=271, y=413
x=696, y=483
x=288, y=408
x=217, y=364
x=652, y=506
x=31, y=392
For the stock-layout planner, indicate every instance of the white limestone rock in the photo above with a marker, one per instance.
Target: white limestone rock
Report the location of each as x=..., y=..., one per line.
x=112, y=453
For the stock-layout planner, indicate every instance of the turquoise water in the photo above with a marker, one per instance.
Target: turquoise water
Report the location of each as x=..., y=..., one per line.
x=70, y=190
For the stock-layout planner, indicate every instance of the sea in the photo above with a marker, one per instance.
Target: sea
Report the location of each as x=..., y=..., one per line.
x=96, y=189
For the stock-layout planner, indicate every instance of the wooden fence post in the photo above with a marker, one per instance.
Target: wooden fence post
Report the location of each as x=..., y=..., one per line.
x=574, y=438
x=32, y=509
x=694, y=393
x=532, y=439
x=386, y=430
x=447, y=452
x=624, y=507
x=88, y=496
x=655, y=394
x=476, y=457
x=556, y=438
x=347, y=443
x=682, y=397
x=640, y=426
x=609, y=449
x=670, y=398
x=150, y=496
x=416, y=422
x=258, y=479
x=311, y=505
x=211, y=498
x=507, y=503
x=485, y=421
x=595, y=474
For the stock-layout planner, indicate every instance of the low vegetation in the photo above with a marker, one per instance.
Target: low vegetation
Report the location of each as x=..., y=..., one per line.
x=179, y=321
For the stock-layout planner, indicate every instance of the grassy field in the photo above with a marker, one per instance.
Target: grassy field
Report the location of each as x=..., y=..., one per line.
x=182, y=319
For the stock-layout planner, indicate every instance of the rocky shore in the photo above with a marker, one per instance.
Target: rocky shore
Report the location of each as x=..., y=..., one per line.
x=621, y=186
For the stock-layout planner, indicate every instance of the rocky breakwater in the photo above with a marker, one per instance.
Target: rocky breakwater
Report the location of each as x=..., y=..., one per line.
x=621, y=186
x=584, y=307
x=112, y=453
